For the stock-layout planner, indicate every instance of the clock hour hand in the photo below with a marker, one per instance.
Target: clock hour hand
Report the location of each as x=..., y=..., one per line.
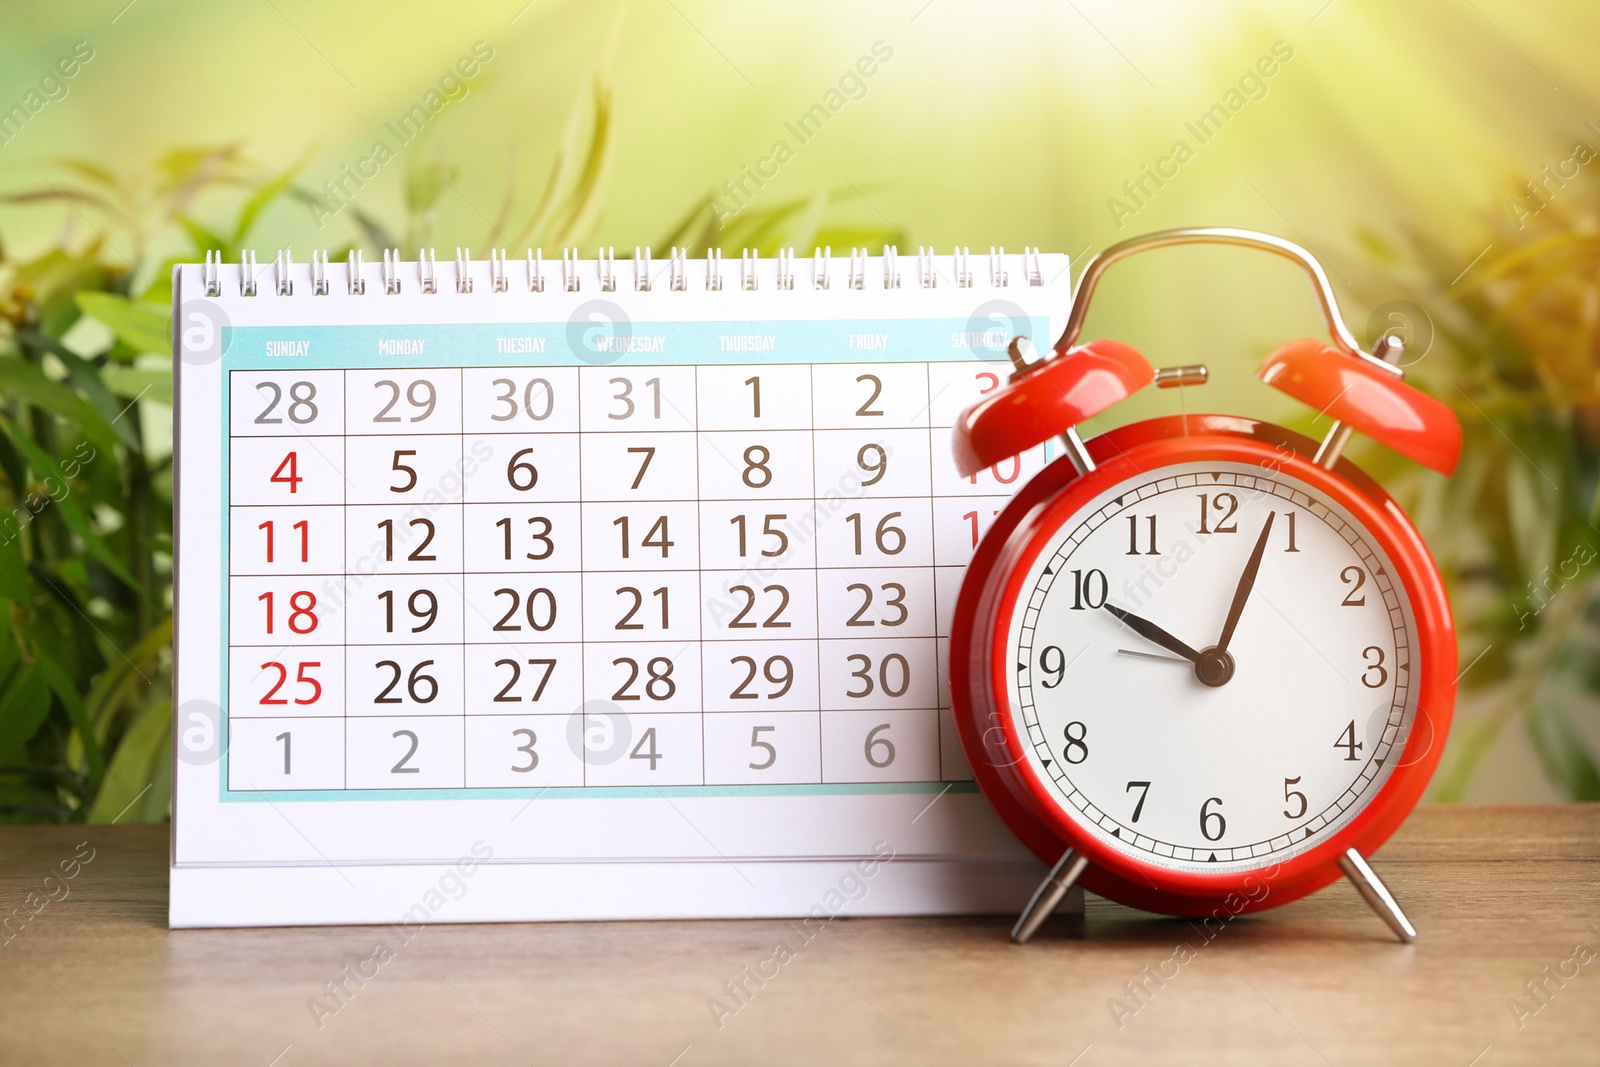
x=1151, y=632
x=1247, y=582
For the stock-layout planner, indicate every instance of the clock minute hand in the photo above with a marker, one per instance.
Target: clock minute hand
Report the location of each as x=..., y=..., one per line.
x=1151, y=632
x=1247, y=582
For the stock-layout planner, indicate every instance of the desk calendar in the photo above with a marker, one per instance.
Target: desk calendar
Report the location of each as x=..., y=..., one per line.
x=624, y=587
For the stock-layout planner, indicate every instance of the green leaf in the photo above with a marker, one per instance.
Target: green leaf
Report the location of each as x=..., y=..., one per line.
x=67, y=505
x=263, y=196
x=1563, y=753
x=13, y=572
x=141, y=325
x=24, y=703
x=150, y=383
x=86, y=377
x=26, y=381
x=132, y=769
x=425, y=183
x=66, y=691
x=111, y=688
x=205, y=240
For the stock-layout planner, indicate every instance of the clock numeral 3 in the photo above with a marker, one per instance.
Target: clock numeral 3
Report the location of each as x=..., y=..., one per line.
x=1373, y=665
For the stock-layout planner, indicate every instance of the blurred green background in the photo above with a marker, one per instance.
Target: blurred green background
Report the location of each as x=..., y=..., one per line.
x=1436, y=156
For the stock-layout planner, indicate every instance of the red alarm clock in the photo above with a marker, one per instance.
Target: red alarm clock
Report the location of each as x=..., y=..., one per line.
x=1202, y=664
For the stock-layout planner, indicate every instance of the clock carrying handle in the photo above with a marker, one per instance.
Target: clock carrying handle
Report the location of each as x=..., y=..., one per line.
x=1344, y=340
x=1360, y=391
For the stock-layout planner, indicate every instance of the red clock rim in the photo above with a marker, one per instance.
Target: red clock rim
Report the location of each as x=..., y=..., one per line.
x=992, y=587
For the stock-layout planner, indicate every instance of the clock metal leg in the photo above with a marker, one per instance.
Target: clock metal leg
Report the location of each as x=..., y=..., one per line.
x=1045, y=899
x=1377, y=895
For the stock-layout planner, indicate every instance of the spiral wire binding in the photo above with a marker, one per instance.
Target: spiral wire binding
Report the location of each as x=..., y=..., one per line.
x=280, y=272
x=358, y=284
x=999, y=277
x=497, y=271
x=927, y=270
x=891, y=267
x=641, y=271
x=319, y=273
x=569, y=270
x=391, y=271
x=211, y=276
x=247, y=273
x=427, y=272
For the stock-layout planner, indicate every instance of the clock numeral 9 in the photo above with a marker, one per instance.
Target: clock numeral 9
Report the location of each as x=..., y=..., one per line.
x=1206, y=820
x=1053, y=664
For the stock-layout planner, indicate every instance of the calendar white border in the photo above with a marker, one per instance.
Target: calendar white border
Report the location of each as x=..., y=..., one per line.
x=978, y=867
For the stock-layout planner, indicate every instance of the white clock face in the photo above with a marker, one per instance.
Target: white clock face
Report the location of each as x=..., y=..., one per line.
x=1182, y=740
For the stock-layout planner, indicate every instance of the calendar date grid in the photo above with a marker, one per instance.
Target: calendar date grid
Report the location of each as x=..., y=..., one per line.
x=614, y=556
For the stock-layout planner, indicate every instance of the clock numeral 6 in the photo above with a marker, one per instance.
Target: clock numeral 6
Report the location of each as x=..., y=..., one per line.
x=1206, y=820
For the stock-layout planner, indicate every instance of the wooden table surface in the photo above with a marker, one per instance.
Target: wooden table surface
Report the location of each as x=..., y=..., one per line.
x=1498, y=895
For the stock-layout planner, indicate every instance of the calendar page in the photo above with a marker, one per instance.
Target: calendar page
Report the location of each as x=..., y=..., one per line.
x=622, y=588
